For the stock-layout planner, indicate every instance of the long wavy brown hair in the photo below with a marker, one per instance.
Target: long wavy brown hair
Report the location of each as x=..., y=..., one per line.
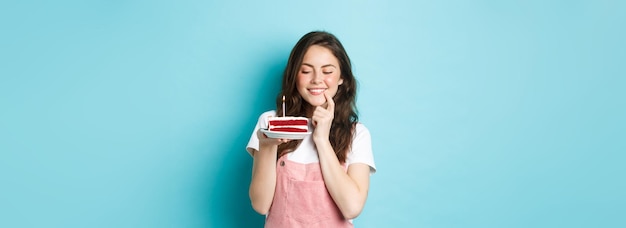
x=346, y=117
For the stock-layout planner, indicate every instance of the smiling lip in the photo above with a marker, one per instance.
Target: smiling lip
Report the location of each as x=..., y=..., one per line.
x=317, y=91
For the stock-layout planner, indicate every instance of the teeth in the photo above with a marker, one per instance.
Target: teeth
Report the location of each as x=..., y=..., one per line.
x=316, y=90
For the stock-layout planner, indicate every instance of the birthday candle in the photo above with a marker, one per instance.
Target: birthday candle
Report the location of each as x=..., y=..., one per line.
x=283, y=105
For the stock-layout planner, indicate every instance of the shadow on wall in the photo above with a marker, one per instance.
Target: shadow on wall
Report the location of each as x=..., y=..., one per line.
x=229, y=203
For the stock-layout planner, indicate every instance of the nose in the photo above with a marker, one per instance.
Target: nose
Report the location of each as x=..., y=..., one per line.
x=317, y=77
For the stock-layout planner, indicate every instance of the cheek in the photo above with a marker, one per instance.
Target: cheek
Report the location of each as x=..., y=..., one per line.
x=301, y=80
x=332, y=81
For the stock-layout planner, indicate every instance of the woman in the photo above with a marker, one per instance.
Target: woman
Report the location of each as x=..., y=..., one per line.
x=323, y=179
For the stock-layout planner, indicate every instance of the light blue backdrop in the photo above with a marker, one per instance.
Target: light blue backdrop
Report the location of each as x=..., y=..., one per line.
x=482, y=113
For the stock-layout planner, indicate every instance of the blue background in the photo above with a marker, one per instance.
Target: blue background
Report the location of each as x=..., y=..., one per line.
x=482, y=113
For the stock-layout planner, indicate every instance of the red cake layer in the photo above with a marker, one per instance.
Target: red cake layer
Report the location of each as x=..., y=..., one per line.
x=288, y=129
x=288, y=122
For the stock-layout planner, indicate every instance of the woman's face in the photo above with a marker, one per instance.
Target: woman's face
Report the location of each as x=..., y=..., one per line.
x=318, y=74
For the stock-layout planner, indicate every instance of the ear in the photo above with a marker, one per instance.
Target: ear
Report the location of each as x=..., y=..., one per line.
x=340, y=81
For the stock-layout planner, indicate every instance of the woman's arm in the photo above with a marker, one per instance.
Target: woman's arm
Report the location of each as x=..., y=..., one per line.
x=348, y=190
x=263, y=183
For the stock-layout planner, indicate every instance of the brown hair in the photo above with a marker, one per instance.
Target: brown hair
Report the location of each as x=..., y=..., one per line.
x=342, y=128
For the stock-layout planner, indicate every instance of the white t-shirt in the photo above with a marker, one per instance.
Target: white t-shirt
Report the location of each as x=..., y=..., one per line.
x=361, y=149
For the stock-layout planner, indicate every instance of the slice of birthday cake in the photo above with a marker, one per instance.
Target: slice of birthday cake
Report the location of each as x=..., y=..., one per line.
x=288, y=124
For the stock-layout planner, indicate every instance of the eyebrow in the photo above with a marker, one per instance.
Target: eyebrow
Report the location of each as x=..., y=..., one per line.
x=327, y=65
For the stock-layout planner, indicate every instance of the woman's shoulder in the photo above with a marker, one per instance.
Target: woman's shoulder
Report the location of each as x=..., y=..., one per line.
x=262, y=121
x=360, y=131
x=360, y=127
x=268, y=113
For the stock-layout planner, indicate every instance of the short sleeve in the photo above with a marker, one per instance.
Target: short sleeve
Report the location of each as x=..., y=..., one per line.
x=361, y=151
x=253, y=143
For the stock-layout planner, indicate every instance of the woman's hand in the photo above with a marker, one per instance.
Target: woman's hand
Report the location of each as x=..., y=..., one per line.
x=323, y=119
x=267, y=141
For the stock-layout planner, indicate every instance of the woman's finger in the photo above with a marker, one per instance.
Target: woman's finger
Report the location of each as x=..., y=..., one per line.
x=331, y=103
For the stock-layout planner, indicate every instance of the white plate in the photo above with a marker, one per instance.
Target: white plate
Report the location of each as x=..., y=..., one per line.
x=285, y=135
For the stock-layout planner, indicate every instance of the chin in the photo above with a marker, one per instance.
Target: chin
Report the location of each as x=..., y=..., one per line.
x=315, y=100
x=316, y=104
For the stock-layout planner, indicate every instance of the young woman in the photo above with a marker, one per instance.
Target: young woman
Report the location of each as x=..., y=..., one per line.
x=323, y=179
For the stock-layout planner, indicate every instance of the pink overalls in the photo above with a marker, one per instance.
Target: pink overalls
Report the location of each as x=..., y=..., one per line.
x=301, y=198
